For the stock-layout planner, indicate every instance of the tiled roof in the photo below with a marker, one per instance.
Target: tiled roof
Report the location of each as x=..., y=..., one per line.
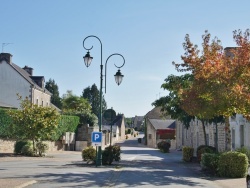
x=154, y=113
x=162, y=124
x=27, y=76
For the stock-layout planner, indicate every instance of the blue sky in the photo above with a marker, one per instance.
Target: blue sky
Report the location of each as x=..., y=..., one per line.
x=47, y=35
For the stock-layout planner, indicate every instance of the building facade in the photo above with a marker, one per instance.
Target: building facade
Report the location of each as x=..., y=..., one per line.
x=15, y=80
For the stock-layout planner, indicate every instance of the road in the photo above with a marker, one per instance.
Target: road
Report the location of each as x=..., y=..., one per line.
x=140, y=167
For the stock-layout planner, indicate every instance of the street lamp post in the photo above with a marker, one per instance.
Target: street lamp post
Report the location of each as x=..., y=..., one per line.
x=118, y=78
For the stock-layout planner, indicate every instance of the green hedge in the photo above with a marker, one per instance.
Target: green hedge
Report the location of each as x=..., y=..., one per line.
x=233, y=164
x=66, y=124
x=204, y=149
x=5, y=122
x=187, y=153
x=209, y=162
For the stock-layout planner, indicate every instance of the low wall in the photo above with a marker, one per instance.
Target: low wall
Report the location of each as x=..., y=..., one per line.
x=7, y=146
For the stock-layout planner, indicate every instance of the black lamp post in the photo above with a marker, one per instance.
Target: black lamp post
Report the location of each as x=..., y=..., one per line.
x=118, y=78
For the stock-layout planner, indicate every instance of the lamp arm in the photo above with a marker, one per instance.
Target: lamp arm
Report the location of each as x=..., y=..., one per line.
x=114, y=64
x=92, y=46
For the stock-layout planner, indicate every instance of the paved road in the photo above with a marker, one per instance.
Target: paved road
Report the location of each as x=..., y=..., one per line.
x=140, y=167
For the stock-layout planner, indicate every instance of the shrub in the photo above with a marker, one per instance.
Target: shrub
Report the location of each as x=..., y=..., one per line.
x=111, y=153
x=117, y=152
x=19, y=145
x=27, y=149
x=107, y=155
x=164, y=146
x=209, y=161
x=89, y=154
x=245, y=151
x=134, y=135
x=41, y=148
x=128, y=131
x=187, y=153
x=204, y=149
x=126, y=136
x=233, y=164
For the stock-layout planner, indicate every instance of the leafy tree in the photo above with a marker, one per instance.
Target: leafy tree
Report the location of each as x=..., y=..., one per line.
x=52, y=87
x=92, y=94
x=33, y=122
x=171, y=103
x=73, y=104
x=221, y=85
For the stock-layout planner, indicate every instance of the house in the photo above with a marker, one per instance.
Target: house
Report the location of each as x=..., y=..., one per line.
x=159, y=130
x=4, y=105
x=158, y=127
x=15, y=80
x=114, y=135
x=138, y=122
x=193, y=135
x=240, y=131
x=118, y=129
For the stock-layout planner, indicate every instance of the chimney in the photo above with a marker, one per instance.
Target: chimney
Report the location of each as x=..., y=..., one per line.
x=6, y=57
x=28, y=70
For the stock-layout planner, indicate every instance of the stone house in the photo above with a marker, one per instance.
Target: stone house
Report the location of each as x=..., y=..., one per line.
x=120, y=123
x=137, y=122
x=14, y=79
x=240, y=131
x=159, y=130
x=194, y=135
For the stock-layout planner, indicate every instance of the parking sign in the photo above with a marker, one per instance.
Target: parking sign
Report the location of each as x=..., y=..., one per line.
x=96, y=138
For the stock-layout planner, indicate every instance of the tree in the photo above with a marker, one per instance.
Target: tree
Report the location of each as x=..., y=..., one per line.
x=33, y=122
x=221, y=77
x=52, y=87
x=92, y=94
x=73, y=104
x=170, y=104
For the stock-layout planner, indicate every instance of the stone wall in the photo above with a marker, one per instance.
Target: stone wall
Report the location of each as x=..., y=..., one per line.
x=194, y=135
x=7, y=146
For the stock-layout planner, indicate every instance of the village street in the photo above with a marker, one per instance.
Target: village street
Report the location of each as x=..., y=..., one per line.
x=140, y=167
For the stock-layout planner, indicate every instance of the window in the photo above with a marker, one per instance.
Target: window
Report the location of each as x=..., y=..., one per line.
x=150, y=136
x=36, y=101
x=42, y=103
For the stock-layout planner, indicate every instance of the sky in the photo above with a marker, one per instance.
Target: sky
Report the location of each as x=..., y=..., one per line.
x=48, y=35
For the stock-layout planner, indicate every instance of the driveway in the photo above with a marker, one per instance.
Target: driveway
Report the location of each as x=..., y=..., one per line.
x=140, y=167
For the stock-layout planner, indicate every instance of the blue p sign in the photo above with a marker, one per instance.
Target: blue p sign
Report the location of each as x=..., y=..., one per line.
x=96, y=137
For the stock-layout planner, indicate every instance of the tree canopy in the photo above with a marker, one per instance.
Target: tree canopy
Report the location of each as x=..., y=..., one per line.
x=92, y=94
x=52, y=87
x=33, y=122
x=73, y=104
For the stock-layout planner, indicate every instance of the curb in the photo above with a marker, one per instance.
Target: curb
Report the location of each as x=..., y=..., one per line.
x=26, y=184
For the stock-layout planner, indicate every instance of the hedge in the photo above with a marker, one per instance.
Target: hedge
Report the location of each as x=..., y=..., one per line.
x=233, y=164
x=66, y=124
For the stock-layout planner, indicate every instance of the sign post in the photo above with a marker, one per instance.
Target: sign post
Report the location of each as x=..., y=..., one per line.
x=96, y=139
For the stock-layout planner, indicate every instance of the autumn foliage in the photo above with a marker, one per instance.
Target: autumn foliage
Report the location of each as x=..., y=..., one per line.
x=221, y=77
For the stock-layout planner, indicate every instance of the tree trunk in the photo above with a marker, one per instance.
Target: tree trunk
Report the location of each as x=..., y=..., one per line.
x=228, y=134
x=204, y=131
x=216, y=136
